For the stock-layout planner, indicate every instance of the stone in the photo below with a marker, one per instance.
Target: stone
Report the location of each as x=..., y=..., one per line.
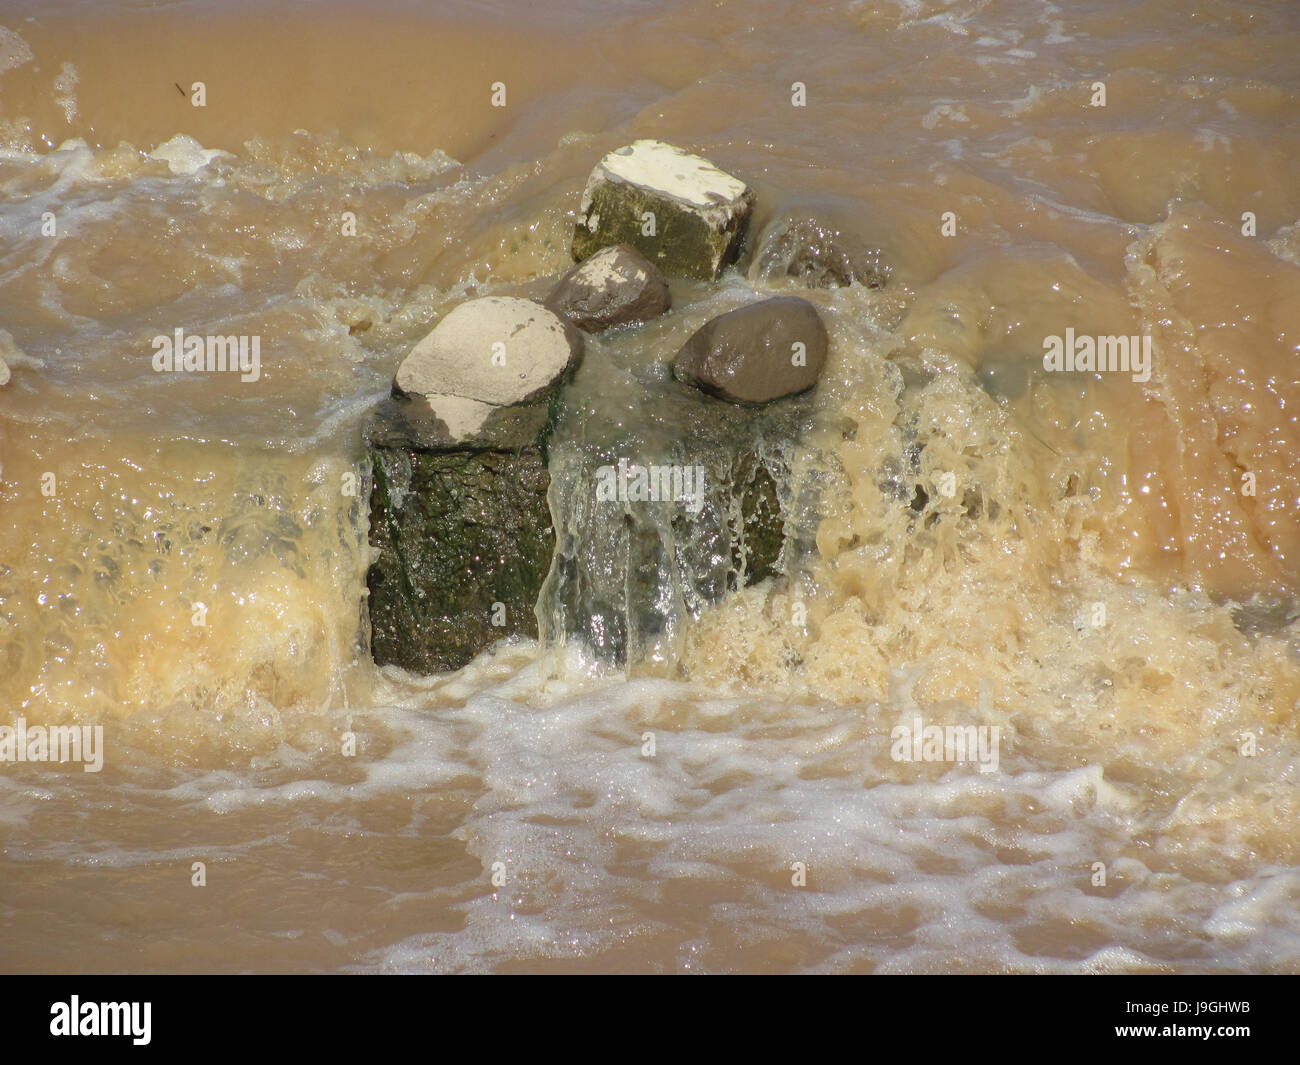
x=452, y=423
x=460, y=532
x=756, y=354
x=632, y=573
x=616, y=286
x=495, y=350
x=817, y=253
x=460, y=527
x=678, y=209
x=760, y=532
x=461, y=542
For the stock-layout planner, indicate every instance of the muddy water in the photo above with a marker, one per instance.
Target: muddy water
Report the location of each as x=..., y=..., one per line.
x=1095, y=582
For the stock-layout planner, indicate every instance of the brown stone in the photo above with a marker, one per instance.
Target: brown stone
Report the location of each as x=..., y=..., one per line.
x=756, y=354
x=616, y=286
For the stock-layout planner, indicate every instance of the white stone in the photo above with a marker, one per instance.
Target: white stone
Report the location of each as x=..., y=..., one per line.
x=496, y=350
x=462, y=417
x=699, y=212
x=673, y=172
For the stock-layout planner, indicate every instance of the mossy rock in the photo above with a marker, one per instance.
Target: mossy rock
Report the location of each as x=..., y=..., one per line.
x=680, y=211
x=460, y=544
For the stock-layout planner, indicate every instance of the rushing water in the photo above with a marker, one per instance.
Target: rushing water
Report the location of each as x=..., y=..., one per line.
x=1095, y=583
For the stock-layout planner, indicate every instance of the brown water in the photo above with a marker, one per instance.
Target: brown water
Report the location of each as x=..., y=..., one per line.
x=1121, y=728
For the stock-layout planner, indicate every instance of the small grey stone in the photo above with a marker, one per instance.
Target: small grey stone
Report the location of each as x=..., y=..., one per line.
x=460, y=543
x=751, y=355
x=614, y=287
x=1004, y=379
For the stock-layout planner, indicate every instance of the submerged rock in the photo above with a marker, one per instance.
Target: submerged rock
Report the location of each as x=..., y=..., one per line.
x=756, y=354
x=1004, y=378
x=656, y=525
x=460, y=533
x=1264, y=615
x=615, y=286
x=495, y=350
x=678, y=209
x=816, y=253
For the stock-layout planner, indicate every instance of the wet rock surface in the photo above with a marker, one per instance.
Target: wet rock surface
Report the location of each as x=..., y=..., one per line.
x=817, y=253
x=616, y=286
x=757, y=353
x=632, y=573
x=461, y=542
x=679, y=210
x=460, y=530
x=496, y=350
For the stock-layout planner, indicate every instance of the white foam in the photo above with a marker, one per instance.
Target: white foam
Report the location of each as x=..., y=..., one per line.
x=184, y=155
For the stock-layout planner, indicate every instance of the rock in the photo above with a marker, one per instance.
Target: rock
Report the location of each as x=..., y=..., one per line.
x=4, y=373
x=460, y=528
x=1265, y=615
x=615, y=286
x=460, y=533
x=631, y=573
x=1004, y=378
x=756, y=354
x=760, y=532
x=452, y=423
x=816, y=253
x=699, y=213
x=496, y=350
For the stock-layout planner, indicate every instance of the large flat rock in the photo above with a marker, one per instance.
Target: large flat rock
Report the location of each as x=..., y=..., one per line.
x=497, y=350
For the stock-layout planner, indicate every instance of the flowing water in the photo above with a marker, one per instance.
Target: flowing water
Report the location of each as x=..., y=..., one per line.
x=1073, y=558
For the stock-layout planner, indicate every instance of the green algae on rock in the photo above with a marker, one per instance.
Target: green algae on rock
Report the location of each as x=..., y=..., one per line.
x=460, y=535
x=679, y=210
x=460, y=530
